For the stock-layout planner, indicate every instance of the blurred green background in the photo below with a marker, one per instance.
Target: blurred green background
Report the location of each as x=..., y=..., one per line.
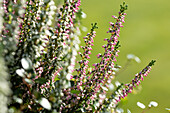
x=146, y=34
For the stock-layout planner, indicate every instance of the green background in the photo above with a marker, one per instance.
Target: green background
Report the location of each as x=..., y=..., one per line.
x=145, y=34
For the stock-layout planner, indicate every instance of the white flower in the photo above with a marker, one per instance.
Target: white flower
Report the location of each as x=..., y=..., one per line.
x=45, y=103
x=141, y=105
x=37, y=65
x=119, y=110
x=68, y=76
x=48, y=32
x=50, y=17
x=104, y=88
x=153, y=103
x=111, y=86
x=51, y=3
x=18, y=100
x=53, y=7
x=137, y=59
x=41, y=2
x=26, y=63
x=54, y=37
x=74, y=52
x=168, y=109
x=43, y=36
x=49, y=22
x=41, y=47
x=102, y=96
x=77, y=47
x=51, y=12
x=84, y=29
x=21, y=11
x=97, y=104
x=131, y=56
x=78, y=32
x=117, y=83
x=20, y=72
x=83, y=15
x=113, y=73
x=128, y=111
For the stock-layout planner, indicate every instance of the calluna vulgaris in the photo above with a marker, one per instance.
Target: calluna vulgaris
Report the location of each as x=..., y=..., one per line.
x=40, y=43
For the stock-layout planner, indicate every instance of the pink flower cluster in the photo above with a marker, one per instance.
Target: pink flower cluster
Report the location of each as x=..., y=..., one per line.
x=103, y=71
x=135, y=82
x=123, y=91
x=85, y=55
x=94, y=84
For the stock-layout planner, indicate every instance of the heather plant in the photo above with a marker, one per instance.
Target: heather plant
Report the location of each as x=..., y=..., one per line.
x=40, y=42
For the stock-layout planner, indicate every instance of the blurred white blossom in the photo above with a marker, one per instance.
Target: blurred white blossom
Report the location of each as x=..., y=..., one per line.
x=153, y=103
x=141, y=105
x=133, y=57
x=45, y=103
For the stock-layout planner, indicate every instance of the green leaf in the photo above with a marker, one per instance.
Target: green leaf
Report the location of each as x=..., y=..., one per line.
x=93, y=108
x=56, y=78
x=152, y=63
x=75, y=91
x=28, y=80
x=124, y=3
x=41, y=80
